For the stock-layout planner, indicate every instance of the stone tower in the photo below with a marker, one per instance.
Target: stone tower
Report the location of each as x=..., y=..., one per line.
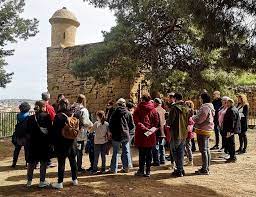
x=60, y=79
x=64, y=26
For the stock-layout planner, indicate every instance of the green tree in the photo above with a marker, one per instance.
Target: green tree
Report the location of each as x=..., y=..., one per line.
x=12, y=28
x=164, y=37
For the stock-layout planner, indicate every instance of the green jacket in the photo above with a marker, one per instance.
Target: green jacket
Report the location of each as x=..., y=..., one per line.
x=178, y=121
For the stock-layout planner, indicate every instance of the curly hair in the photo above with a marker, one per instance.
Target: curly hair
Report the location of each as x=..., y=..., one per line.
x=24, y=107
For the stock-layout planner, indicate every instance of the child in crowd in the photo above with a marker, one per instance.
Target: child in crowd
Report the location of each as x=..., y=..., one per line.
x=188, y=147
x=100, y=141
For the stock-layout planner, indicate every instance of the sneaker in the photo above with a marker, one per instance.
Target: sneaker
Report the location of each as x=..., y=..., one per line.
x=202, y=172
x=177, y=173
x=189, y=163
x=231, y=160
x=29, y=183
x=111, y=172
x=93, y=172
x=244, y=150
x=57, y=185
x=124, y=170
x=81, y=170
x=43, y=184
x=139, y=173
x=75, y=182
x=147, y=174
x=89, y=169
x=216, y=147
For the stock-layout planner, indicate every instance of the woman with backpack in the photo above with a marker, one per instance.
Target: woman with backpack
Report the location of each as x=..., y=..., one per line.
x=80, y=112
x=20, y=136
x=65, y=146
x=39, y=127
x=204, y=127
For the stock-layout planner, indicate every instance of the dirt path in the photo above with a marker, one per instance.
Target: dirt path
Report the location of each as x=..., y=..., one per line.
x=237, y=179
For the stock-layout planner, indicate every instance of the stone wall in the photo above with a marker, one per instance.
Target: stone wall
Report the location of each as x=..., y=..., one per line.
x=61, y=80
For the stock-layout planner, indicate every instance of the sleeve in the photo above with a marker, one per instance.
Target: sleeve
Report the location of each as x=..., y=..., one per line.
x=246, y=111
x=131, y=125
x=155, y=119
x=51, y=112
x=201, y=116
x=172, y=116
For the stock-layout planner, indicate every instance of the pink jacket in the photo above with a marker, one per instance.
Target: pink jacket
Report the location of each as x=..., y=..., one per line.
x=204, y=118
x=190, y=128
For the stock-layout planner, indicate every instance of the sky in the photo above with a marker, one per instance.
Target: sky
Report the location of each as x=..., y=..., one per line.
x=29, y=60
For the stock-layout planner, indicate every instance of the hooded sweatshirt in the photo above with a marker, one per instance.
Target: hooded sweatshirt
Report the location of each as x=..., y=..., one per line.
x=145, y=117
x=178, y=121
x=121, y=124
x=204, y=119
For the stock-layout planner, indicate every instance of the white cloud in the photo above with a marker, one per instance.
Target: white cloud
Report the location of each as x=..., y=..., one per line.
x=29, y=61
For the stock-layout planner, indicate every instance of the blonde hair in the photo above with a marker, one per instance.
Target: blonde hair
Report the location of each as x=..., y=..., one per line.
x=81, y=99
x=190, y=104
x=244, y=99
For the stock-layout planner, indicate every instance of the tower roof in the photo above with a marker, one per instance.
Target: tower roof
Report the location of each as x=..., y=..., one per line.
x=64, y=15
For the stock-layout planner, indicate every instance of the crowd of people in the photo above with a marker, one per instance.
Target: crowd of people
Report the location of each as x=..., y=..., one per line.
x=66, y=131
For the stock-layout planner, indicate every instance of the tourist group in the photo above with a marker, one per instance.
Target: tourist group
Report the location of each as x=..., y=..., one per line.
x=68, y=131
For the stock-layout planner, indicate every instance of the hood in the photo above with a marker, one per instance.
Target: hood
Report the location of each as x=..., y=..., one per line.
x=210, y=105
x=121, y=110
x=146, y=106
x=180, y=105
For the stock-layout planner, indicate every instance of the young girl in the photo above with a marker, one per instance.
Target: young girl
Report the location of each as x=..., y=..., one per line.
x=188, y=147
x=100, y=141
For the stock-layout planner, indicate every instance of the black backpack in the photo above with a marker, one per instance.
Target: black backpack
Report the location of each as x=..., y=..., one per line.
x=21, y=128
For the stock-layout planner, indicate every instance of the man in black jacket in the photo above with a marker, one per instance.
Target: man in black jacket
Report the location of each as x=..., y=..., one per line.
x=217, y=105
x=121, y=126
x=231, y=127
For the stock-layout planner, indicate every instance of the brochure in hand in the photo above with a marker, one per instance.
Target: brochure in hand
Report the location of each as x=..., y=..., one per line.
x=150, y=131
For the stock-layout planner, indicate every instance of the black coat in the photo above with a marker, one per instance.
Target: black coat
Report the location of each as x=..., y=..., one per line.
x=38, y=143
x=230, y=120
x=244, y=120
x=121, y=124
x=62, y=145
x=217, y=106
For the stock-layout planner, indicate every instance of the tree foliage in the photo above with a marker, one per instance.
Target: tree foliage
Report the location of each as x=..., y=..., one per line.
x=166, y=38
x=12, y=28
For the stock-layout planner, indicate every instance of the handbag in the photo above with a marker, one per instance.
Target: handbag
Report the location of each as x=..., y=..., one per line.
x=42, y=129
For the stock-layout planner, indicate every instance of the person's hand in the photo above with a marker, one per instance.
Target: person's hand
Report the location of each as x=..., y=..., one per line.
x=229, y=134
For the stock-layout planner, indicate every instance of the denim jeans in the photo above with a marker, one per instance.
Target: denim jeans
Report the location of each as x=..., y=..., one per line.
x=203, y=143
x=145, y=157
x=188, y=148
x=99, y=150
x=158, y=151
x=32, y=166
x=79, y=154
x=124, y=156
x=177, y=147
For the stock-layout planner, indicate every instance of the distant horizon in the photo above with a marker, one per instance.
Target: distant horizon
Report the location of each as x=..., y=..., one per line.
x=29, y=62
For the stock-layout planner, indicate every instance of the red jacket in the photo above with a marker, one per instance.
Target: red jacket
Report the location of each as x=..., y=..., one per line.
x=145, y=117
x=50, y=110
